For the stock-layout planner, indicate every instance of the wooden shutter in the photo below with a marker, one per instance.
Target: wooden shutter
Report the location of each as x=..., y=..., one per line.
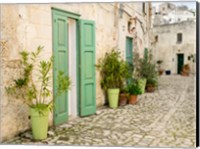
x=87, y=68
x=60, y=53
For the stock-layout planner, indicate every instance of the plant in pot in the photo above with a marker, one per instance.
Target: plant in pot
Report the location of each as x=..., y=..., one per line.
x=134, y=90
x=185, y=70
x=160, y=70
x=148, y=69
x=113, y=71
x=137, y=72
x=125, y=76
x=151, y=85
x=34, y=88
x=123, y=96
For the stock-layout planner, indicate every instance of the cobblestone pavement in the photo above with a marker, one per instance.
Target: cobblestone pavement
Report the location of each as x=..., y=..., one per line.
x=165, y=118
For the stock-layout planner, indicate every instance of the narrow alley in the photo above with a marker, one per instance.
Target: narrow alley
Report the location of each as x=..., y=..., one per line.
x=165, y=118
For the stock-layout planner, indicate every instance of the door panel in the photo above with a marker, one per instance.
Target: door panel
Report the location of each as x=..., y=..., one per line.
x=87, y=68
x=60, y=53
x=129, y=52
x=129, y=56
x=180, y=62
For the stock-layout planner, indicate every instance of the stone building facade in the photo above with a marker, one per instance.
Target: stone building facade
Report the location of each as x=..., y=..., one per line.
x=174, y=36
x=174, y=43
x=168, y=13
x=32, y=25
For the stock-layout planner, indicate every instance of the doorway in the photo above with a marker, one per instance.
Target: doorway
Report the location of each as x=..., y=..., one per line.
x=72, y=93
x=74, y=54
x=129, y=56
x=180, y=62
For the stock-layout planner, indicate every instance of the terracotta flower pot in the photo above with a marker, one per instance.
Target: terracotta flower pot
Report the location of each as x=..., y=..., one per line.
x=133, y=99
x=123, y=99
x=150, y=88
x=160, y=71
x=185, y=72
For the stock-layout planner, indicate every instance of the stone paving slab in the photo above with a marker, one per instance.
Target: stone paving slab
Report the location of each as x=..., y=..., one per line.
x=165, y=118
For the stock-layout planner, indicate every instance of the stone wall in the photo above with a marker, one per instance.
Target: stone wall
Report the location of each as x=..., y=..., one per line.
x=31, y=26
x=167, y=48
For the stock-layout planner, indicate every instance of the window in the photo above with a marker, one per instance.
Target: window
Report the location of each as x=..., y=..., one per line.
x=168, y=5
x=179, y=38
x=156, y=38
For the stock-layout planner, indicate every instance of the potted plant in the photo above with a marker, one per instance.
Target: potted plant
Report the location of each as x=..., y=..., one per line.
x=142, y=84
x=147, y=70
x=113, y=71
x=137, y=73
x=160, y=70
x=151, y=85
x=134, y=90
x=123, y=96
x=35, y=91
x=185, y=70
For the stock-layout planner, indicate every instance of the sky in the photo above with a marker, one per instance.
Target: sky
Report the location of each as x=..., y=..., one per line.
x=191, y=5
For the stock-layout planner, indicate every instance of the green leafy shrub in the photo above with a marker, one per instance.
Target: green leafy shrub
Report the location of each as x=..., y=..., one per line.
x=113, y=70
x=134, y=89
x=152, y=82
x=148, y=69
x=124, y=89
x=25, y=87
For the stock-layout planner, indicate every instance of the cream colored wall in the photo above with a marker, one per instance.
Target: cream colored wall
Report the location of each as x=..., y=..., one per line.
x=27, y=26
x=166, y=48
x=141, y=33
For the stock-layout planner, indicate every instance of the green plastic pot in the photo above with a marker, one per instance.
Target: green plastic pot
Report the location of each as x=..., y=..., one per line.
x=142, y=84
x=113, y=97
x=39, y=123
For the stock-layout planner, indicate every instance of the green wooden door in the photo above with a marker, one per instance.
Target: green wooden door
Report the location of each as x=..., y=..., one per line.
x=180, y=62
x=60, y=53
x=87, y=68
x=129, y=52
x=129, y=55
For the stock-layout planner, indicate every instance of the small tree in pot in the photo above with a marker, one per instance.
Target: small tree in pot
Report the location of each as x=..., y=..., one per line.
x=137, y=72
x=37, y=94
x=113, y=71
x=148, y=70
x=151, y=85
